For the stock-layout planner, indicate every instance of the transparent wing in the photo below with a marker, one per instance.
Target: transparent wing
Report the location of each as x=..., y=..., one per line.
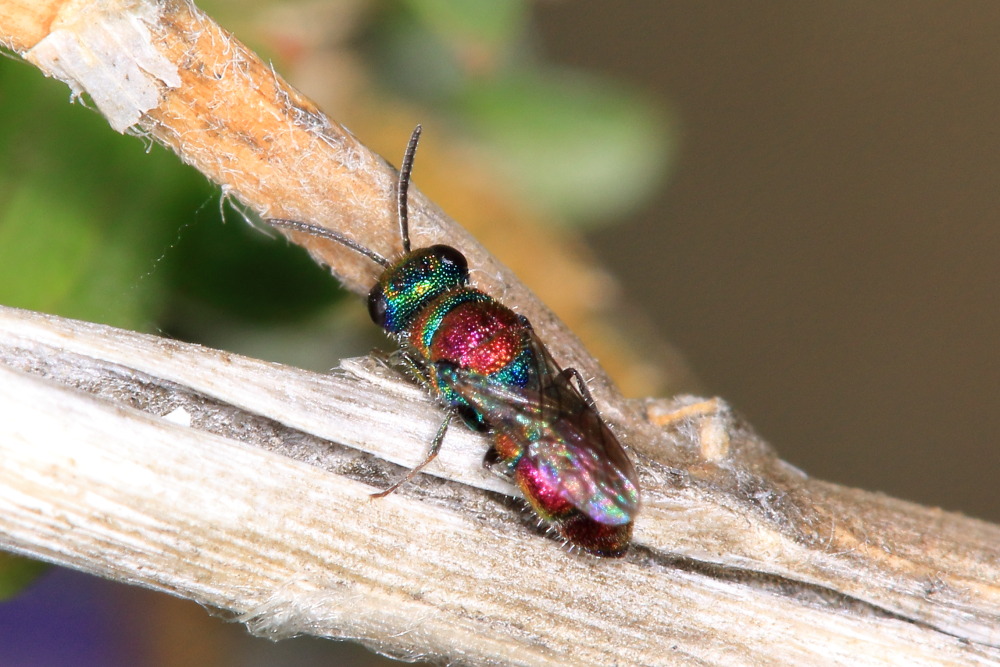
x=561, y=434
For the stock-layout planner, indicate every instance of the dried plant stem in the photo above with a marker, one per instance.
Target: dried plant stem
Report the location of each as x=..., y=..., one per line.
x=213, y=477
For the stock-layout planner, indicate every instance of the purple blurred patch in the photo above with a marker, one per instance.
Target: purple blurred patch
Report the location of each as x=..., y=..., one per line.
x=66, y=618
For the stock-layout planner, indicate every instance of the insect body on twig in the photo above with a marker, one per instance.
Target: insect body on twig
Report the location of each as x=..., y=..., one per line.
x=485, y=363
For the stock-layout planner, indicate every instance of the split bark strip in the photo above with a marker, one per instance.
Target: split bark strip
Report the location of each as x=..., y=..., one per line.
x=739, y=557
x=109, y=485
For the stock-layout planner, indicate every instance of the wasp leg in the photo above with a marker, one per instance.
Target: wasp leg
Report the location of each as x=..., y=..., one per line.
x=400, y=361
x=491, y=458
x=433, y=452
x=567, y=373
x=495, y=463
x=413, y=365
x=383, y=357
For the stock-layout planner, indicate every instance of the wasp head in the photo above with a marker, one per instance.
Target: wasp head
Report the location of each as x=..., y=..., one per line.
x=411, y=283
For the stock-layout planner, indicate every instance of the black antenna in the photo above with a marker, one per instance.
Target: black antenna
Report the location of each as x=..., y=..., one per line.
x=331, y=235
x=404, y=185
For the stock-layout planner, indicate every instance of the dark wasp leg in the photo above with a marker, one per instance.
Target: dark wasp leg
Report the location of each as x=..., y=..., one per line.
x=567, y=373
x=492, y=458
x=433, y=452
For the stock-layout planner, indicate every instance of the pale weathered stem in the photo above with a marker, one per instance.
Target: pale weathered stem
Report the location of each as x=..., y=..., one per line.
x=738, y=557
x=246, y=511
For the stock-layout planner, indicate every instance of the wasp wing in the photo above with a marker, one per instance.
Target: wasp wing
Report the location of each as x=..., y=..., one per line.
x=560, y=433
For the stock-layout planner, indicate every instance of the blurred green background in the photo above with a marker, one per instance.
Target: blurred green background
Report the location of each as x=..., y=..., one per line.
x=800, y=197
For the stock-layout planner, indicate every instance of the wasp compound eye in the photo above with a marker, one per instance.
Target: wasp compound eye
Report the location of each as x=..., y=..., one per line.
x=377, y=305
x=452, y=261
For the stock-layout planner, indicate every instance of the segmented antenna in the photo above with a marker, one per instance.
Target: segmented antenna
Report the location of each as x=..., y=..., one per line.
x=324, y=233
x=404, y=186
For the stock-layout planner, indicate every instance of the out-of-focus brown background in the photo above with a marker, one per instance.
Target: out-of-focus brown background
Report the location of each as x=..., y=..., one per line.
x=827, y=253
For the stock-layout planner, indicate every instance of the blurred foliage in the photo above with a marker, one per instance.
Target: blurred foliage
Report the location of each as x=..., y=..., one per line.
x=492, y=24
x=95, y=226
x=110, y=229
x=82, y=212
x=584, y=148
x=250, y=275
x=17, y=573
x=588, y=153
